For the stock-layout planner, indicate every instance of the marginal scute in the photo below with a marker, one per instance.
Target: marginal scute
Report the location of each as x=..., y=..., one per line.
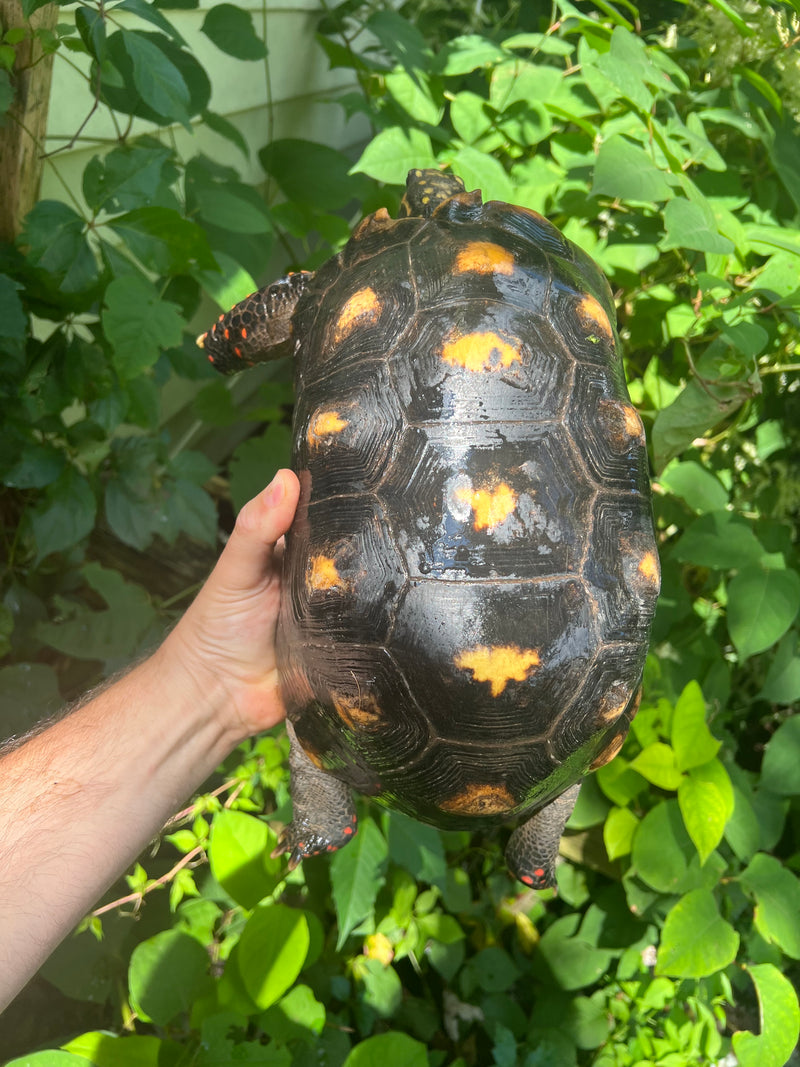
x=591, y=309
x=614, y=703
x=377, y=221
x=358, y=712
x=479, y=800
x=649, y=569
x=484, y=257
x=622, y=424
x=609, y=752
x=481, y=350
x=498, y=664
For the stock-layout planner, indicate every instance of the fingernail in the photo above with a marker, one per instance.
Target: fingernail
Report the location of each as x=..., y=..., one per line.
x=273, y=494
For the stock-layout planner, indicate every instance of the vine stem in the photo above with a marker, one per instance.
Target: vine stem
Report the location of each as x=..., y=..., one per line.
x=137, y=898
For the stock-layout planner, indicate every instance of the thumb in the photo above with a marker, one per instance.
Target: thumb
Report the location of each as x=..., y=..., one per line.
x=247, y=557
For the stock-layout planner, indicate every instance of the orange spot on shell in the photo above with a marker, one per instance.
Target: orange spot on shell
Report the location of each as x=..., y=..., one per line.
x=484, y=257
x=361, y=309
x=491, y=507
x=324, y=424
x=362, y=711
x=609, y=752
x=498, y=664
x=614, y=703
x=322, y=574
x=482, y=350
x=479, y=800
x=649, y=568
x=592, y=309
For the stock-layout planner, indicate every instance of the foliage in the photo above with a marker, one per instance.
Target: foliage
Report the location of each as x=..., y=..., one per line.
x=673, y=938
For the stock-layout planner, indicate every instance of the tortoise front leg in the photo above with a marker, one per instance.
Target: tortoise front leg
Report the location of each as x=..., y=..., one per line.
x=258, y=328
x=324, y=816
x=533, y=847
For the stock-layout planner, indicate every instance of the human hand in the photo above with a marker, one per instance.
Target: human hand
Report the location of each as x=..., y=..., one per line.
x=225, y=643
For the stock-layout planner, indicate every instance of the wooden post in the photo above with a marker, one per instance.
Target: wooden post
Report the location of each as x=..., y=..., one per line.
x=22, y=135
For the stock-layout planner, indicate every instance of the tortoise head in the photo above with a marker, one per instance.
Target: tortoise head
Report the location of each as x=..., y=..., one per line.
x=426, y=190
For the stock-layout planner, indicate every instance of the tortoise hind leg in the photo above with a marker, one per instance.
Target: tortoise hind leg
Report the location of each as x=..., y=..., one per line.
x=324, y=816
x=258, y=328
x=533, y=847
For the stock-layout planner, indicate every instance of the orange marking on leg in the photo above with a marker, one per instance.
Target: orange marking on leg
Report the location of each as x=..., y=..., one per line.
x=491, y=507
x=498, y=664
x=484, y=257
x=482, y=350
x=362, y=309
x=479, y=800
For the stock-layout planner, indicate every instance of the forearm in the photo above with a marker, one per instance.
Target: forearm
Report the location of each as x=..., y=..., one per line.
x=81, y=800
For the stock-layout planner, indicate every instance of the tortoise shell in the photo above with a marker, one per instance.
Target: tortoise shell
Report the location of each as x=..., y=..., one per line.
x=472, y=573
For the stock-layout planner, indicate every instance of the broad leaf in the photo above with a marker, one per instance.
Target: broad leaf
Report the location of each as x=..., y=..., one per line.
x=777, y=893
x=779, y=1017
x=393, y=153
x=762, y=604
x=271, y=952
x=231, y=30
x=158, y=81
x=696, y=941
x=706, y=801
x=692, y=741
x=625, y=170
x=165, y=974
x=391, y=1049
x=64, y=515
x=357, y=873
x=239, y=854
x=780, y=771
x=139, y=324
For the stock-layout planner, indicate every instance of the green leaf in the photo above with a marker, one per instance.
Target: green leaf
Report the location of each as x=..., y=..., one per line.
x=103, y=1049
x=706, y=801
x=189, y=509
x=130, y=176
x=28, y=693
x=393, y=153
x=762, y=604
x=779, y=1018
x=618, y=832
x=625, y=170
x=695, y=485
x=743, y=830
x=56, y=236
x=696, y=409
x=165, y=975
x=239, y=854
x=228, y=285
x=139, y=324
x=311, y=173
x=479, y=171
x=13, y=320
x=272, y=950
x=219, y=124
x=662, y=848
x=231, y=30
x=106, y=635
x=357, y=873
x=470, y=116
x=164, y=240
x=692, y=741
x=462, y=55
x=657, y=764
x=780, y=770
x=401, y=39
x=51, y=1057
x=690, y=224
x=256, y=461
x=696, y=941
x=566, y=958
x=383, y=990
x=64, y=515
x=777, y=893
x=720, y=540
x=223, y=206
x=782, y=684
x=38, y=466
x=158, y=81
x=413, y=93
x=416, y=847
x=151, y=14
x=391, y=1049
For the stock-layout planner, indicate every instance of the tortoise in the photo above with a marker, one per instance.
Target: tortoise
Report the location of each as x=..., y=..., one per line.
x=472, y=572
